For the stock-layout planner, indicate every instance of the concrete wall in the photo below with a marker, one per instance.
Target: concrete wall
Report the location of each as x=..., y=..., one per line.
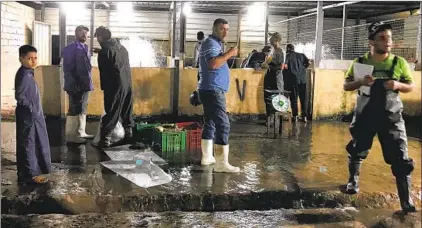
x=153, y=91
x=254, y=96
x=16, y=30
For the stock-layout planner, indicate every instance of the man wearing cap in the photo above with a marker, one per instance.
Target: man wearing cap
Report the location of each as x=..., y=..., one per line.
x=380, y=112
x=77, y=83
x=213, y=85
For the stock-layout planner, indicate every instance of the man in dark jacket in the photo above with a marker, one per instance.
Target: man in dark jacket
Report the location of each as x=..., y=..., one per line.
x=116, y=82
x=258, y=58
x=295, y=80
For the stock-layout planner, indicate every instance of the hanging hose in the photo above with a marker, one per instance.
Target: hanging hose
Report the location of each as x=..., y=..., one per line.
x=237, y=46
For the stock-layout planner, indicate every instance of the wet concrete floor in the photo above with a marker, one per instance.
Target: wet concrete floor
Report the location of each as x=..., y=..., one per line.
x=287, y=218
x=303, y=168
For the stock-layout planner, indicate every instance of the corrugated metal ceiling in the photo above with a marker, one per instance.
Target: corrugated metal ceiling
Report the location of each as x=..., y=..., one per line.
x=362, y=9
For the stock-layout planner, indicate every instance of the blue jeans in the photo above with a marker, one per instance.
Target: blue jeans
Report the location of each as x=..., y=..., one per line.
x=217, y=124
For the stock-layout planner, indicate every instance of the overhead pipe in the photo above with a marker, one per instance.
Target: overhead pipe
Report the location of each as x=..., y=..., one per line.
x=330, y=6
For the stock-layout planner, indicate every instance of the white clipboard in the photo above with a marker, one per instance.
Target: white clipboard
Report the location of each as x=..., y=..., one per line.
x=361, y=70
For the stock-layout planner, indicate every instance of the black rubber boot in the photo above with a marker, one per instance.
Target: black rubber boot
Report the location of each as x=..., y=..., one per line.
x=354, y=170
x=105, y=140
x=128, y=133
x=404, y=188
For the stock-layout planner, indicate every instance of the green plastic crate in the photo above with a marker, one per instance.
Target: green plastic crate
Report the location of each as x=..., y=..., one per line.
x=169, y=141
x=144, y=132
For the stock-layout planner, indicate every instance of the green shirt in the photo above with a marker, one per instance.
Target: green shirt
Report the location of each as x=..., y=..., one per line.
x=402, y=70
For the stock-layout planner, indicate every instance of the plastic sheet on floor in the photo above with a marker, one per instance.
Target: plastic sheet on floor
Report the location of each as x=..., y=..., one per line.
x=124, y=153
x=142, y=173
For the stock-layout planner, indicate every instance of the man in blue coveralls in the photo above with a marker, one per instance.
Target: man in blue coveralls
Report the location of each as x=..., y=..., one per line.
x=78, y=84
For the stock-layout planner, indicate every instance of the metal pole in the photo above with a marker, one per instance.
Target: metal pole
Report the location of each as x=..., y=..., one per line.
x=62, y=29
x=418, y=45
x=62, y=45
x=182, y=31
x=267, y=15
x=173, y=42
x=91, y=34
x=239, y=34
x=342, y=31
x=288, y=28
x=43, y=12
x=318, y=34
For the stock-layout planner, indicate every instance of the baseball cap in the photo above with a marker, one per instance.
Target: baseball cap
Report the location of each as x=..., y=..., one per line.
x=376, y=27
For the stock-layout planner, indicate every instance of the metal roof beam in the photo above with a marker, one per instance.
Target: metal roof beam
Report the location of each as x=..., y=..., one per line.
x=386, y=12
x=330, y=6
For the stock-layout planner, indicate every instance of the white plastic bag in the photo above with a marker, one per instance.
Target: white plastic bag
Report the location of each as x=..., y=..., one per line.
x=117, y=135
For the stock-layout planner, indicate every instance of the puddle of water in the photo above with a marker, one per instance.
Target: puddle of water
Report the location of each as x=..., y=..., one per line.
x=306, y=156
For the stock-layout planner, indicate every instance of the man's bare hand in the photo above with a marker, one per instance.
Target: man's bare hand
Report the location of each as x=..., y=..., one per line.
x=368, y=80
x=391, y=85
x=232, y=51
x=96, y=50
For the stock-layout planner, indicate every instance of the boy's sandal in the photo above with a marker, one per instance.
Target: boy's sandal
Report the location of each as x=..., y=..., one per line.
x=39, y=180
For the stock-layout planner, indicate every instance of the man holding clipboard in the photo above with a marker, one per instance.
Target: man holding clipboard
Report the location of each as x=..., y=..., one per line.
x=379, y=76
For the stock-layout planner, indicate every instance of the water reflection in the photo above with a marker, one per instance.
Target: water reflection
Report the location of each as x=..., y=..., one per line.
x=305, y=156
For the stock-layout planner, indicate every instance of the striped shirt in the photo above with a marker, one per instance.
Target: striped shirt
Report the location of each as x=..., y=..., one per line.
x=212, y=79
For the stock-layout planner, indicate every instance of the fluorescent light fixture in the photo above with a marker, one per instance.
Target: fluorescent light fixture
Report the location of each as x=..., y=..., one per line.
x=256, y=13
x=187, y=9
x=73, y=8
x=125, y=7
x=124, y=12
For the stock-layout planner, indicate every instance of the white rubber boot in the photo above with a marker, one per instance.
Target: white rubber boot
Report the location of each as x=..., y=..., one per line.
x=207, y=152
x=222, y=160
x=72, y=126
x=82, y=126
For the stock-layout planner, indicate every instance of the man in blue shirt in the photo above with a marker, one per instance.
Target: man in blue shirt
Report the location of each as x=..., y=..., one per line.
x=77, y=83
x=213, y=85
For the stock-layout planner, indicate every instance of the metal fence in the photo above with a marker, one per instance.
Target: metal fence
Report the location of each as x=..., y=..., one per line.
x=301, y=32
x=355, y=43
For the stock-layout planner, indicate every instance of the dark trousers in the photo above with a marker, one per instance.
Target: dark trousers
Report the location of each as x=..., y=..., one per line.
x=118, y=104
x=299, y=90
x=392, y=137
x=217, y=124
x=78, y=102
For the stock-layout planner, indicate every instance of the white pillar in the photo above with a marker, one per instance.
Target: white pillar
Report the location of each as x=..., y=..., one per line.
x=318, y=34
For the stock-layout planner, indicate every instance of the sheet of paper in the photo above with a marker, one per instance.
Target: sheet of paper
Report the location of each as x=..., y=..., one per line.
x=359, y=71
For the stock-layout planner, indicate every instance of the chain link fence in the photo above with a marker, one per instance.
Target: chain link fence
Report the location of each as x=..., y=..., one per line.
x=301, y=32
x=355, y=43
